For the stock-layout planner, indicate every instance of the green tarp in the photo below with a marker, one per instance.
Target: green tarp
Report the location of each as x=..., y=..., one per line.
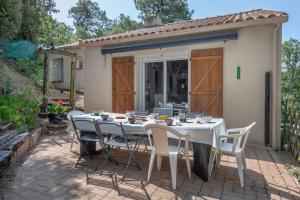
x=17, y=49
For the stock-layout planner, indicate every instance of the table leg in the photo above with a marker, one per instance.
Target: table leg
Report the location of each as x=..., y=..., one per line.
x=91, y=147
x=201, y=160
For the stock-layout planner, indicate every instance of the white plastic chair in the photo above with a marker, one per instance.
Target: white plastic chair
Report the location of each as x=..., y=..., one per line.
x=70, y=127
x=236, y=148
x=162, y=148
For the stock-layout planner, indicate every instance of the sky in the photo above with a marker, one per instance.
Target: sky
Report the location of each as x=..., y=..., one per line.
x=202, y=9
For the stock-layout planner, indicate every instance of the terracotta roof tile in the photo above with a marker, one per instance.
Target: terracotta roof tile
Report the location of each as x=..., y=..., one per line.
x=198, y=23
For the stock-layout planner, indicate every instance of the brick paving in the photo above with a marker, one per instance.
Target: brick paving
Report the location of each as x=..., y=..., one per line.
x=47, y=172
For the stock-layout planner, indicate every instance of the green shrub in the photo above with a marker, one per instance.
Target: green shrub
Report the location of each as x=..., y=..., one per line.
x=22, y=112
x=31, y=68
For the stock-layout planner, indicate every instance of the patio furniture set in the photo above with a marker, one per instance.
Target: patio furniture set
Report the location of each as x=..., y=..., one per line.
x=168, y=137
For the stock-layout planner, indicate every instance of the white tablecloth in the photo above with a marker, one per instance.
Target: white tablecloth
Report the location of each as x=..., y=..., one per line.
x=200, y=133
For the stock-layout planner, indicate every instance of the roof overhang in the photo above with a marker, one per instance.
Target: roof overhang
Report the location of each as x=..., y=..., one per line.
x=172, y=42
x=200, y=30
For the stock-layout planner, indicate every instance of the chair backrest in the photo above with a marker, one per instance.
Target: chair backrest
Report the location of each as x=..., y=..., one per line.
x=194, y=114
x=83, y=124
x=161, y=104
x=74, y=113
x=243, y=140
x=109, y=128
x=141, y=113
x=160, y=137
x=163, y=111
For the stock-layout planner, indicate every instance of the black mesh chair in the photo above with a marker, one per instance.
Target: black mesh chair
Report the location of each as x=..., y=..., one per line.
x=118, y=140
x=86, y=133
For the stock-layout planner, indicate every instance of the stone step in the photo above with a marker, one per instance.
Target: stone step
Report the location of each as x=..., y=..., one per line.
x=6, y=137
x=5, y=127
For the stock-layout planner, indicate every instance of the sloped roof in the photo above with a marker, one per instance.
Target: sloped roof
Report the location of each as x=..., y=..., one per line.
x=67, y=46
x=191, y=24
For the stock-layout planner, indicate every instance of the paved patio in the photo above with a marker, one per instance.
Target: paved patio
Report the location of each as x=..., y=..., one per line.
x=48, y=172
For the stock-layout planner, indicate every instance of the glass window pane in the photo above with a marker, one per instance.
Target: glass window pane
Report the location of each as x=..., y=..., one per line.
x=154, y=84
x=177, y=81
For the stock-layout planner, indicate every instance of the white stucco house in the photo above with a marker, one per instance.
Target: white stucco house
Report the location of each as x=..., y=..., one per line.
x=60, y=68
x=225, y=66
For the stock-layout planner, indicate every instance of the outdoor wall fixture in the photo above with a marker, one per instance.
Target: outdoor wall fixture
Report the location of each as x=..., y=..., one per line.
x=238, y=73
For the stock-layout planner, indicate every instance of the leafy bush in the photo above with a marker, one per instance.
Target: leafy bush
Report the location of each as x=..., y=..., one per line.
x=31, y=68
x=6, y=82
x=58, y=108
x=22, y=112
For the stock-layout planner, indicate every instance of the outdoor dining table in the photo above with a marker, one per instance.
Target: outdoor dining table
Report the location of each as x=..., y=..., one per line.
x=203, y=137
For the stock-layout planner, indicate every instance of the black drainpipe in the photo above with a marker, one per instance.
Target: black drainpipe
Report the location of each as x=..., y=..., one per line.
x=267, y=107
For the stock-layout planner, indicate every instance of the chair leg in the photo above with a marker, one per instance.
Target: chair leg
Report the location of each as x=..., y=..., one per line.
x=128, y=163
x=158, y=162
x=188, y=165
x=145, y=143
x=218, y=159
x=80, y=154
x=239, y=163
x=83, y=150
x=244, y=161
x=152, y=159
x=211, y=163
x=72, y=141
x=173, y=165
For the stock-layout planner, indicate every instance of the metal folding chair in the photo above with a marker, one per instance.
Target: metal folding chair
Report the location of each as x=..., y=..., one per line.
x=73, y=113
x=163, y=111
x=118, y=139
x=87, y=125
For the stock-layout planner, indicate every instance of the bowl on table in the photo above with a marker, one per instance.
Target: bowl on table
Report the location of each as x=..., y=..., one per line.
x=96, y=113
x=204, y=119
x=104, y=116
x=131, y=120
x=169, y=121
x=163, y=117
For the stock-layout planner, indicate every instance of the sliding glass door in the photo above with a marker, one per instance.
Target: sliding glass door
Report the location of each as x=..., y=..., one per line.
x=177, y=81
x=154, y=84
x=166, y=81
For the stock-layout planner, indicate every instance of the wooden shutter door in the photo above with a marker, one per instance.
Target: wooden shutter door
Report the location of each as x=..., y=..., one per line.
x=122, y=84
x=207, y=82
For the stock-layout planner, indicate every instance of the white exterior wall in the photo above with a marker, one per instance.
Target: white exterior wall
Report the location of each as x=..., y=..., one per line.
x=243, y=100
x=65, y=84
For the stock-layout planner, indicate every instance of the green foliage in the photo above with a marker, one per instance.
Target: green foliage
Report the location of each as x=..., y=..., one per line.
x=30, y=21
x=122, y=24
x=22, y=112
x=53, y=32
x=47, y=7
x=290, y=93
x=31, y=68
x=89, y=19
x=291, y=72
x=57, y=108
x=10, y=19
x=6, y=82
x=168, y=10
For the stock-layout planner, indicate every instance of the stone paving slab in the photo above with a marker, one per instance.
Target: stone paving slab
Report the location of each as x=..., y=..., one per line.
x=47, y=172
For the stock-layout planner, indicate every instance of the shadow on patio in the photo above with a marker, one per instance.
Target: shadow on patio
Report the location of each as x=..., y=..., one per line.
x=48, y=172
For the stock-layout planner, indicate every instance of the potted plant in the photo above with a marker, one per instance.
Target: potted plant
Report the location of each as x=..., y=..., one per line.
x=57, y=111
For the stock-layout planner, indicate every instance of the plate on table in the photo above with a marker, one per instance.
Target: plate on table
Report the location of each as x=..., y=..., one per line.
x=120, y=117
x=142, y=118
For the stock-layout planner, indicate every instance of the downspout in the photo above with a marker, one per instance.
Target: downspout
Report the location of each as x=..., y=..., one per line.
x=276, y=87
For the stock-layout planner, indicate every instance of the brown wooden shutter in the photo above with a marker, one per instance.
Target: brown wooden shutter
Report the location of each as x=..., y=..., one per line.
x=207, y=82
x=122, y=84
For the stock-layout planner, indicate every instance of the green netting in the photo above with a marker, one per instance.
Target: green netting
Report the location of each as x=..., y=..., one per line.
x=17, y=49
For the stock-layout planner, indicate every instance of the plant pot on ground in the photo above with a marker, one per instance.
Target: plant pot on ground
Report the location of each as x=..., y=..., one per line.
x=57, y=112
